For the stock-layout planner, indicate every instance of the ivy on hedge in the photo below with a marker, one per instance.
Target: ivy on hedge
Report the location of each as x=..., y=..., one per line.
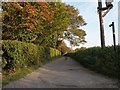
x=18, y=54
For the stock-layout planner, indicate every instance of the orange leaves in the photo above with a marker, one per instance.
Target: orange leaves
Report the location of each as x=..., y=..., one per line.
x=46, y=13
x=27, y=15
x=46, y=3
x=43, y=4
x=30, y=10
x=18, y=6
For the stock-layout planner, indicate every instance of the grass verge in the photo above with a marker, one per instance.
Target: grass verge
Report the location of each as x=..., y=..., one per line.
x=8, y=77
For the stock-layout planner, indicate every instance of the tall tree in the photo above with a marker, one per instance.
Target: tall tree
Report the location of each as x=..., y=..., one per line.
x=41, y=23
x=24, y=20
x=76, y=20
x=73, y=33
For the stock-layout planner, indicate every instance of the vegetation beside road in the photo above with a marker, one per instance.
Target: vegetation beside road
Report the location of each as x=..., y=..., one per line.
x=23, y=57
x=42, y=23
x=105, y=61
x=32, y=31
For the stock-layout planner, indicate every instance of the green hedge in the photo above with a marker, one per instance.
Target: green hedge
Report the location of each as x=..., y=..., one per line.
x=105, y=61
x=18, y=54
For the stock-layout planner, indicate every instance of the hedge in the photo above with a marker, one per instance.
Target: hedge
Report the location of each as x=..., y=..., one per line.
x=106, y=61
x=18, y=54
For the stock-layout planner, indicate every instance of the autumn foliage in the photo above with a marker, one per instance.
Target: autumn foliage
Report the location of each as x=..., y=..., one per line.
x=41, y=23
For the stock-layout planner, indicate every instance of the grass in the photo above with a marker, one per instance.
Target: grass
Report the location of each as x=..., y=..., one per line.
x=20, y=58
x=8, y=77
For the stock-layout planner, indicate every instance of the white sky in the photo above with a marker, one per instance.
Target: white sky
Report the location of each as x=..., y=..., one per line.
x=89, y=12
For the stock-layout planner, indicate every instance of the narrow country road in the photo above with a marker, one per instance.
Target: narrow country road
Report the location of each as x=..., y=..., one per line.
x=63, y=73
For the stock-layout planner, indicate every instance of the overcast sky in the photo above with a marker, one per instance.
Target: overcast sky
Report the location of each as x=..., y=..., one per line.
x=88, y=9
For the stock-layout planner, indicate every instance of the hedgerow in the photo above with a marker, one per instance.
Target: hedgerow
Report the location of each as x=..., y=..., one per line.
x=17, y=55
x=106, y=61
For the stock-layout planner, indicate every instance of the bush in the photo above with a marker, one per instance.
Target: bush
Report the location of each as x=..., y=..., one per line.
x=105, y=61
x=18, y=54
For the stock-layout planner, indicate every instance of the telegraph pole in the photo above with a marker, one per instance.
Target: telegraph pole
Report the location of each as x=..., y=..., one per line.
x=101, y=15
x=113, y=28
x=101, y=24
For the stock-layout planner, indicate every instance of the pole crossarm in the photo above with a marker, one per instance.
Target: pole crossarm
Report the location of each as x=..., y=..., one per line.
x=102, y=14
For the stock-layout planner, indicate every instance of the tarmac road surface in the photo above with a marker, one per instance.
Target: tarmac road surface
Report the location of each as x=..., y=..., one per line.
x=63, y=73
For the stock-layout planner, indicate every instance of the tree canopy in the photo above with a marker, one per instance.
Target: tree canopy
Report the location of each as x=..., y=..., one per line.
x=42, y=23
